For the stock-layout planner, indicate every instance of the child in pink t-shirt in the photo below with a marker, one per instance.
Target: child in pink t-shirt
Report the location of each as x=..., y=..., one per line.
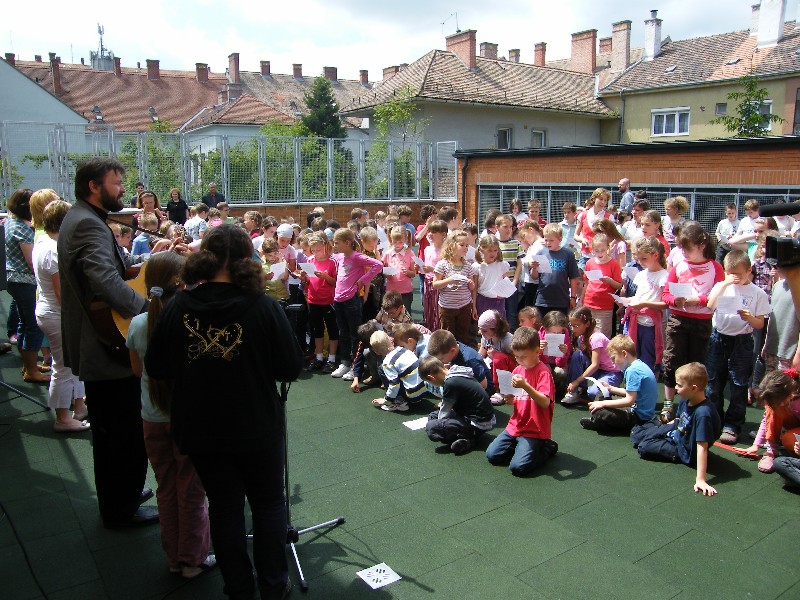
x=399, y=257
x=597, y=293
x=319, y=291
x=590, y=359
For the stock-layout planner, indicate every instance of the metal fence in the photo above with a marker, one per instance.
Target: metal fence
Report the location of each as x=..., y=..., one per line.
x=247, y=170
x=706, y=204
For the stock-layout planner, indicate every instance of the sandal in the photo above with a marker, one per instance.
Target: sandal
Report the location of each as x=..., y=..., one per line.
x=766, y=464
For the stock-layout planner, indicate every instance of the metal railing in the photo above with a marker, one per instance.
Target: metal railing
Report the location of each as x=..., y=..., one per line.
x=247, y=170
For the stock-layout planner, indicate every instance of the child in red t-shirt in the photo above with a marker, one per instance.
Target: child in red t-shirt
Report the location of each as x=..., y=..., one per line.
x=597, y=293
x=319, y=289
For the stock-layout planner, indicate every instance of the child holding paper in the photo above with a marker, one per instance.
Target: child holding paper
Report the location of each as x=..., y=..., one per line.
x=453, y=277
x=597, y=293
x=275, y=276
x=559, y=275
x=525, y=443
x=401, y=260
x=320, y=285
x=556, y=345
x=495, y=346
x=591, y=360
x=490, y=270
x=689, y=324
x=638, y=402
x=739, y=307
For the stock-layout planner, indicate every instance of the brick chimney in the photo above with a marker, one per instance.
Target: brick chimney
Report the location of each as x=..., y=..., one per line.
x=363, y=76
x=604, y=45
x=153, y=71
x=11, y=59
x=266, y=69
x=330, y=73
x=620, y=45
x=462, y=44
x=770, y=22
x=584, y=57
x=489, y=50
x=652, y=36
x=539, y=51
x=117, y=66
x=756, y=8
x=233, y=68
x=513, y=55
x=55, y=70
x=202, y=72
x=389, y=72
x=297, y=70
x=37, y=57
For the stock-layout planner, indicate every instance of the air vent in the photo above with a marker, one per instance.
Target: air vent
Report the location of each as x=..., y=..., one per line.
x=733, y=61
x=670, y=69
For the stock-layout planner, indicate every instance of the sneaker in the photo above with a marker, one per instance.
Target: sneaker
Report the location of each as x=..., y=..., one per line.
x=395, y=406
x=340, y=370
x=315, y=365
x=349, y=376
x=551, y=447
x=209, y=563
x=328, y=367
x=571, y=398
x=729, y=436
x=588, y=423
x=497, y=399
x=461, y=446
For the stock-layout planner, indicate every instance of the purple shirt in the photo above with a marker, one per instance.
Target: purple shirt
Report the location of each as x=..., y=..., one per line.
x=352, y=269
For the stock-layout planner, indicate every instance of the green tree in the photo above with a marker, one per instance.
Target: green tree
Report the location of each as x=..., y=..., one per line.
x=322, y=119
x=749, y=121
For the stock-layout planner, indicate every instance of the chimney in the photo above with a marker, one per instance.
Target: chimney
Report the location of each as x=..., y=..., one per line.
x=604, y=46
x=37, y=57
x=82, y=61
x=584, y=57
x=770, y=22
x=330, y=73
x=489, y=50
x=233, y=67
x=202, y=72
x=754, y=19
x=11, y=59
x=266, y=69
x=462, y=44
x=55, y=68
x=539, y=51
x=513, y=55
x=620, y=46
x=389, y=72
x=153, y=72
x=652, y=36
x=117, y=66
x=297, y=71
x=363, y=76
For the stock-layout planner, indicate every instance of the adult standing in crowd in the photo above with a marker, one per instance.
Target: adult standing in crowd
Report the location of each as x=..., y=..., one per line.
x=177, y=209
x=212, y=198
x=626, y=202
x=92, y=267
x=219, y=327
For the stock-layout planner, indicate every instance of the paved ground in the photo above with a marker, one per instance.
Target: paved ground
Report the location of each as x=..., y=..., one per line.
x=596, y=522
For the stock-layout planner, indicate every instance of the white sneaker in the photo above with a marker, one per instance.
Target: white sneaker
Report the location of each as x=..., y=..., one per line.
x=340, y=370
x=571, y=398
x=191, y=572
x=349, y=376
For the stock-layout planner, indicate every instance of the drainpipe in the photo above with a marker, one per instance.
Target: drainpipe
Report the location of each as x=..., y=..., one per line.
x=621, y=113
x=464, y=188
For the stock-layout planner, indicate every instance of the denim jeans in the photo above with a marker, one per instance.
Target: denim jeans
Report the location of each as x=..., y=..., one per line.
x=578, y=363
x=729, y=359
x=521, y=454
x=788, y=467
x=348, y=318
x=29, y=336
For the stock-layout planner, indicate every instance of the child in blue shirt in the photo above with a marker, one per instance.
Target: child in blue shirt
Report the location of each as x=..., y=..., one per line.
x=444, y=346
x=638, y=402
x=141, y=243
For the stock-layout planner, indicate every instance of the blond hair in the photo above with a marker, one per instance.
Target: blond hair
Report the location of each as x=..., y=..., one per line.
x=621, y=343
x=448, y=248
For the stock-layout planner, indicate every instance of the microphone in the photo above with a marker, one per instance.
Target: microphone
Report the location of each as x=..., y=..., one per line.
x=779, y=210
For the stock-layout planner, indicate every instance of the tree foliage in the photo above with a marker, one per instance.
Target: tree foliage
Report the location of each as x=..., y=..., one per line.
x=322, y=119
x=399, y=119
x=749, y=121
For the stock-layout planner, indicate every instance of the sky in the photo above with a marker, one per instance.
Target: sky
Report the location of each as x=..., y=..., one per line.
x=347, y=34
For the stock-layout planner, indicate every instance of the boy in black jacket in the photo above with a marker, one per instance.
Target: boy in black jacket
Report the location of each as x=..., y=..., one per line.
x=465, y=412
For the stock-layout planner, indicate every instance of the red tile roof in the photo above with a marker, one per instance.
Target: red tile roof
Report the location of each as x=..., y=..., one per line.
x=245, y=110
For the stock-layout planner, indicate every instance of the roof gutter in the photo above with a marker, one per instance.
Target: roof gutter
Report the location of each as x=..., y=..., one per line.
x=704, y=83
x=464, y=187
x=621, y=113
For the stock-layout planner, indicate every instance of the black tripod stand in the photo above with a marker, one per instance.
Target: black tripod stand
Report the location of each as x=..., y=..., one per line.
x=293, y=534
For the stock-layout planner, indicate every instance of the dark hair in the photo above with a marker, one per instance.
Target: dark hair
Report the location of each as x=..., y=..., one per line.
x=555, y=318
x=490, y=216
x=441, y=341
x=426, y=211
x=525, y=338
x=225, y=247
x=146, y=193
x=311, y=216
x=447, y=213
x=776, y=387
x=404, y=331
x=365, y=331
x=19, y=204
x=163, y=271
x=94, y=169
x=318, y=224
x=430, y=365
x=54, y=214
x=642, y=203
x=392, y=299
x=641, y=195
x=693, y=233
x=584, y=315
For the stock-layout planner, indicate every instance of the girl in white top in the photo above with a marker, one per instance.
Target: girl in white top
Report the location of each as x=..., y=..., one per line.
x=490, y=269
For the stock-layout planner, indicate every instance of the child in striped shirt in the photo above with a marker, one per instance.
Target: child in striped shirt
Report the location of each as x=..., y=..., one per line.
x=400, y=368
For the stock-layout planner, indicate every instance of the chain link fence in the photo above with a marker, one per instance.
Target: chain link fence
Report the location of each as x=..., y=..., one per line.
x=247, y=170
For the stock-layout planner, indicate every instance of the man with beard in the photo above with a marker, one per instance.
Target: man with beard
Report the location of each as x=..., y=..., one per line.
x=92, y=268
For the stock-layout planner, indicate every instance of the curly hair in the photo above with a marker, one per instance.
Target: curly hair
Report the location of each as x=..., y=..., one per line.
x=226, y=247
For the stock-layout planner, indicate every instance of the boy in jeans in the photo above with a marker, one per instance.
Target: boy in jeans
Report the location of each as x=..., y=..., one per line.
x=465, y=412
x=400, y=368
x=525, y=443
x=558, y=290
x=638, y=403
x=689, y=436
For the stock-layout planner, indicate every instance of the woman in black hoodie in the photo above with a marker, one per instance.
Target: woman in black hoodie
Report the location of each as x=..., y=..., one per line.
x=226, y=411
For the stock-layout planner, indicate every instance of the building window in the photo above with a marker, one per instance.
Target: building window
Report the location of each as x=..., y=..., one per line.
x=721, y=108
x=538, y=139
x=504, y=139
x=670, y=121
x=766, y=110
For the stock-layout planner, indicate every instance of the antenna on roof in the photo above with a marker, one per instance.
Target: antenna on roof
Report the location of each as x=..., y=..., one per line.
x=455, y=14
x=101, y=30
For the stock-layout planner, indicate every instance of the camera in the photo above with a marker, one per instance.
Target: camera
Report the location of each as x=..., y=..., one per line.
x=783, y=252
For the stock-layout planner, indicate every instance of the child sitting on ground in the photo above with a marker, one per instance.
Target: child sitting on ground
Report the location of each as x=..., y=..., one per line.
x=365, y=364
x=393, y=312
x=400, y=368
x=556, y=323
x=639, y=395
x=525, y=443
x=690, y=435
x=465, y=411
x=444, y=346
x=530, y=317
x=591, y=359
x=496, y=347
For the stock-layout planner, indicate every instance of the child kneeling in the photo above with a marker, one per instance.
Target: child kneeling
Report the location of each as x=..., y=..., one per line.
x=638, y=403
x=399, y=368
x=689, y=436
x=525, y=444
x=465, y=412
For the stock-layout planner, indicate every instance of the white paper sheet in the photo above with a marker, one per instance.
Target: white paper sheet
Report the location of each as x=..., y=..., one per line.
x=630, y=272
x=503, y=288
x=278, y=269
x=594, y=275
x=504, y=382
x=543, y=265
x=390, y=271
x=729, y=305
x=621, y=300
x=459, y=277
x=418, y=261
x=554, y=340
x=416, y=424
x=379, y=576
x=308, y=268
x=681, y=290
x=604, y=391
